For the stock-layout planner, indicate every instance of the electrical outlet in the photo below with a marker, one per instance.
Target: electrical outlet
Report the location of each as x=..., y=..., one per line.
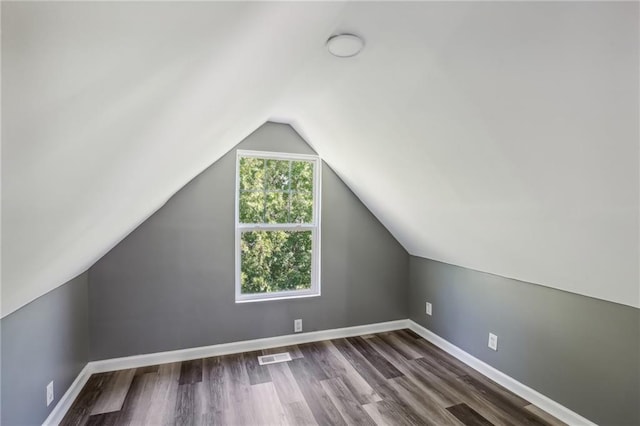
x=493, y=341
x=49, y=393
x=428, y=308
x=297, y=325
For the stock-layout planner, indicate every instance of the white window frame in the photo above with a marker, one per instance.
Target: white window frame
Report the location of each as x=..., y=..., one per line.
x=314, y=227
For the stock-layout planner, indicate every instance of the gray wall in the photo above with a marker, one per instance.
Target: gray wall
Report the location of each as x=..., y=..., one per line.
x=581, y=352
x=170, y=283
x=48, y=339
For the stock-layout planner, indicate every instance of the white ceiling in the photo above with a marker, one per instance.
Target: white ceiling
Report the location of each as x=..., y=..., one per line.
x=497, y=136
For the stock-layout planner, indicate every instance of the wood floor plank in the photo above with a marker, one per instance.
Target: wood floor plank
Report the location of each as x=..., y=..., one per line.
x=468, y=416
x=427, y=383
x=293, y=350
x=299, y=414
x=265, y=401
x=372, y=410
x=213, y=377
x=212, y=419
x=412, y=333
x=257, y=373
x=346, y=402
x=315, y=368
x=191, y=404
x=544, y=415
x=373, y=377
x=504, y=401
x=435, y=354
x=399, y=345
x=490, y=388
x=468, y=394
x=115, y=390
x=321, y=357
x=185, y=404
x=323, y=409
x=425, y=406
x=334, y=365
x=165, y=393
x=146, y=370
x=391, y=413
x=191, y=372
x=449, y=384
x=137, y=404
x=285, y=384
x=238, y=387
x=104, y=419
x=379, y=362
x=437, y=368
x=81, y=408
x=358, y=386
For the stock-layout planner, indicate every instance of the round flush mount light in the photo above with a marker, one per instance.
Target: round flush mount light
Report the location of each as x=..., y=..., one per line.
x=345, y=45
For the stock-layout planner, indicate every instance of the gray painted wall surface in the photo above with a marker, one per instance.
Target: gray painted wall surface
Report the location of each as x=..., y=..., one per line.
x=0, y=368
x=48, y=339
x=170, y=283
x=581, y=352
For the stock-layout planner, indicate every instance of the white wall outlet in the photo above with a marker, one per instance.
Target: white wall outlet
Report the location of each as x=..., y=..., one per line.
x=297, y=325
x=428, y=308
x=493, y=341
x=50, y=393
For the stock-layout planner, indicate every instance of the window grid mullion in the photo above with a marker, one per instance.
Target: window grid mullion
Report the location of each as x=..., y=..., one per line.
x=275, y=226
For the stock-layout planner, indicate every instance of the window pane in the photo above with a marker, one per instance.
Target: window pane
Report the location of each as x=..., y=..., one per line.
x=251, y=207
x=301, y=208
x=277, y=175
x=275, y=261
x=277, y=207
x=251, y=173
x=302, y=176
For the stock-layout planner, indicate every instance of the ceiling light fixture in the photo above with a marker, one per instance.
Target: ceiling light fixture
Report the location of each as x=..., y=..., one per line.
x=345, y=45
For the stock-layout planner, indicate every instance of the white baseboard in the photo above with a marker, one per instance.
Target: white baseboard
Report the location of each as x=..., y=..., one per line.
x=550, y=406
x=243, y=346
x=136, y=361
x=61, y=408
x=144, y=360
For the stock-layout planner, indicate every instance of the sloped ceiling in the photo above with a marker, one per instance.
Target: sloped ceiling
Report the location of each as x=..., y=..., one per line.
x=497, y=136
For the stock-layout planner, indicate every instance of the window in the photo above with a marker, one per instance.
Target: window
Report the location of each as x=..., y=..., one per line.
x=277, y=226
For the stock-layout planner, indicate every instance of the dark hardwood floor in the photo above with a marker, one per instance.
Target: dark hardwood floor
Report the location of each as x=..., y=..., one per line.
x=394, y=378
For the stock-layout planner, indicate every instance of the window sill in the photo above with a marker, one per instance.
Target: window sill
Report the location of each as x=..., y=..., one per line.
x=278, y=297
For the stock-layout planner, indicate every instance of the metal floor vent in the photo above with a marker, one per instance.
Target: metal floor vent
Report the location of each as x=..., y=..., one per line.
x=274, y=358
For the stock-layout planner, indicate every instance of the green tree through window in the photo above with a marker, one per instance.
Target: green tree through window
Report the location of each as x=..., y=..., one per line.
x=277, y=224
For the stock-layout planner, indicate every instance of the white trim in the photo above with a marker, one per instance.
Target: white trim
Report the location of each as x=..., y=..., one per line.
x=550, y=406
x=276, y=155
x=317, y=218
x=61, y=408
x=314, y=227
x=243, y=346
x=280, y=295
x=276, y=227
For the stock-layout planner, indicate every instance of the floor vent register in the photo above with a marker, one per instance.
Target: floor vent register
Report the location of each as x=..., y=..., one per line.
x=274, y=358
